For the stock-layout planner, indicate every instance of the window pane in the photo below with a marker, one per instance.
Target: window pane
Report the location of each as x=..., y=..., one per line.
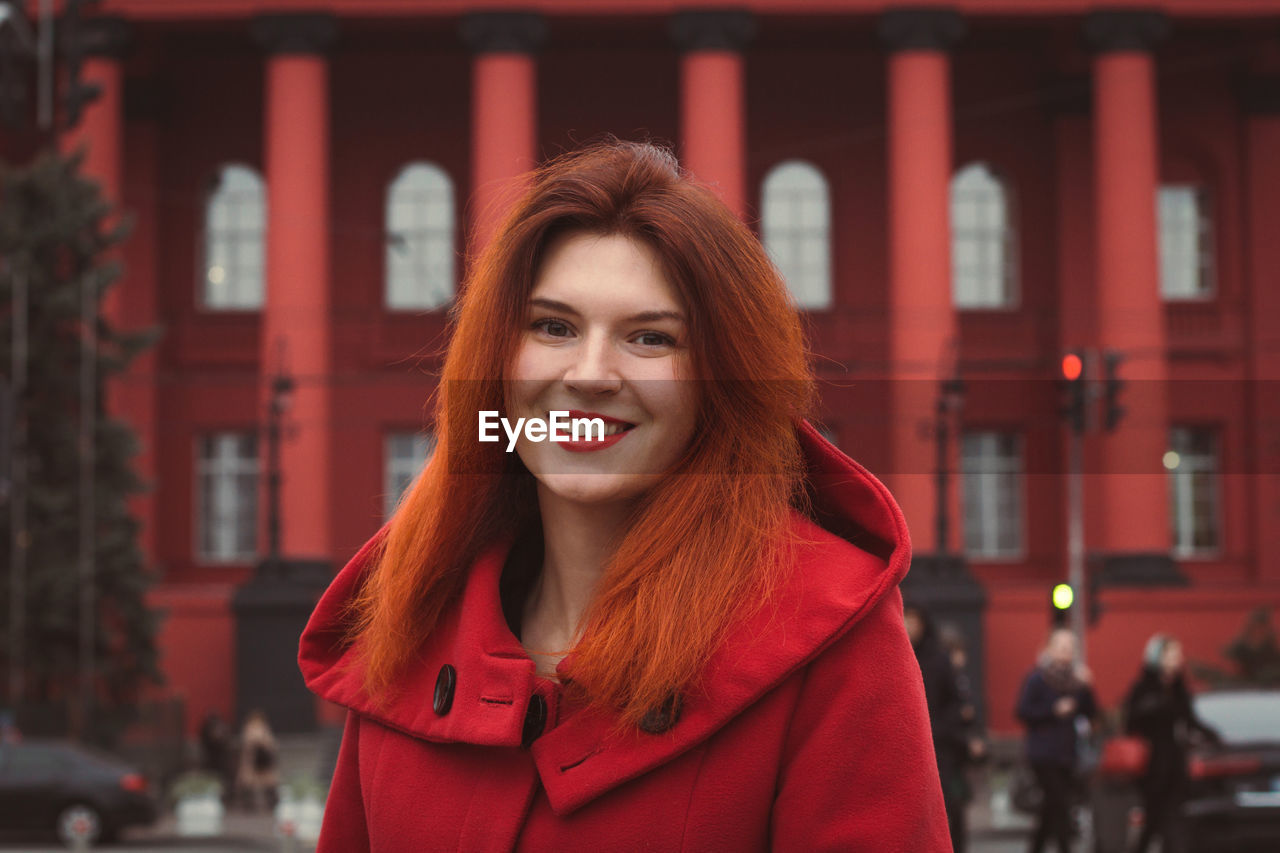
x=404, y=454
x=420, y=226
x=227, y=494
x=1186, y=241
x=796, y=230
x=235, y=222
x=991, y=477
x=981, y=239
x=1194, y=490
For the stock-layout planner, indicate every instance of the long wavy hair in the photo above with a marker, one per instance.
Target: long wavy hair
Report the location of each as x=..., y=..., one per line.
x=700, y=551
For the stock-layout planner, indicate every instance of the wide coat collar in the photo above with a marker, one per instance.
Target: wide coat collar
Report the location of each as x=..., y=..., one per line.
x=833, y=582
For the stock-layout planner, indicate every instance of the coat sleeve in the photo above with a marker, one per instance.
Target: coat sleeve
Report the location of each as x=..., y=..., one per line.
x=1088, y=703
x=858, y=770
x=344, y=828
x=1188, y=712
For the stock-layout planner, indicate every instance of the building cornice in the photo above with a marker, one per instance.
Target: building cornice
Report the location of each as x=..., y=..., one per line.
x=1125, y=29
x=717, y=29
x=921, y=29
x=503, y=32
x=307, y=33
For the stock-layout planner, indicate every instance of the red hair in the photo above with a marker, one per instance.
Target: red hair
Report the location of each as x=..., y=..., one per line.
x=701, y=549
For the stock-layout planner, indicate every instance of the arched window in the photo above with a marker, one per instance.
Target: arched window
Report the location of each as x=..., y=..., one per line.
x=235, y=220
x=420, y=238
x=796, y=227
x=1186, y=241
x=983, y=244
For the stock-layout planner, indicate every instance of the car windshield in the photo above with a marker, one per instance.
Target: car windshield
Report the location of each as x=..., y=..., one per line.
x=1242, y=717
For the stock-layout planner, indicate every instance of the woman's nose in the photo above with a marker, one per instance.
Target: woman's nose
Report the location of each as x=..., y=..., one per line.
x=596, y=370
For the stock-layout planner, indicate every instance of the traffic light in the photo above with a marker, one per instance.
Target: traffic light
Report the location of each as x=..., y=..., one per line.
x=1061, y=598
x=1074, y=382
x=1111, y=361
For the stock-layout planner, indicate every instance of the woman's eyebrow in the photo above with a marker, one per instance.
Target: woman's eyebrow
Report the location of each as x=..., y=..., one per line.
x=654, y=316
x=552, y=305
x=642, y=317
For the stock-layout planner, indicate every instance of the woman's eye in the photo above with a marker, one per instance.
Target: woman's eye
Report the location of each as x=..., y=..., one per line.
x=654, y=339
x=553, y=327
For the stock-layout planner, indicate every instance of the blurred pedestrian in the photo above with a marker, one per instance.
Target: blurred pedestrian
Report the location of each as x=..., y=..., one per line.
x=258, y=778
x=216, y=749
x=1056, y=693
x=1158, y=709
x=953, y=644
x=1254, y=652
x=946, y=717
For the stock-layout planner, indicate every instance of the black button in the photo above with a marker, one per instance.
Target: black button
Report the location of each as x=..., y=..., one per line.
x=535, y=719
x=445, y=681
x=662, y=718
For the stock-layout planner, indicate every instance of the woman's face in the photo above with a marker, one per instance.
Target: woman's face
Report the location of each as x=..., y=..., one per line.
x=1062, y=646
x=1171, y=658
x=606, y=336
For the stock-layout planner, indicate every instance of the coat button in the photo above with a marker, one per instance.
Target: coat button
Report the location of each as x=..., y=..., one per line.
x=535, y=719
x=445, y=681
x=662, y=718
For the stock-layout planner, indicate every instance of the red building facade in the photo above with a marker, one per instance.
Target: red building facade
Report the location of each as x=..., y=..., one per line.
x=1072, y=117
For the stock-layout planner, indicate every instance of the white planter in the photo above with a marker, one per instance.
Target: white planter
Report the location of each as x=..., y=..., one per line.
x=299, y=819
x=200, y=815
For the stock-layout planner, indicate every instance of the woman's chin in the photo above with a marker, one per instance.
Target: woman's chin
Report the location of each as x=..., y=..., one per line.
x=596, y=489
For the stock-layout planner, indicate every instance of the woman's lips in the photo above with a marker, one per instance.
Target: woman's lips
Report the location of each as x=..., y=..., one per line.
x=589, y=445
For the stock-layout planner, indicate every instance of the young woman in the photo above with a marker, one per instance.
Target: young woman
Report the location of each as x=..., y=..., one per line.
x=1158, y=709
x=683, y=634
x=1054, y=696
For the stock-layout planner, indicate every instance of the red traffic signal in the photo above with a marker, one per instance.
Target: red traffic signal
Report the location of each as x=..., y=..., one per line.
x=1072, y=366
x=1075, y=396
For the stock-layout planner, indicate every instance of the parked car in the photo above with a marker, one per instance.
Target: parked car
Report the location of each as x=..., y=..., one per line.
x=51, y=786
x=1233, y=796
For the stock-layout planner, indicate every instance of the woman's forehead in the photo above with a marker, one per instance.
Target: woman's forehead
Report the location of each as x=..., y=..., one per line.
x=604, y=272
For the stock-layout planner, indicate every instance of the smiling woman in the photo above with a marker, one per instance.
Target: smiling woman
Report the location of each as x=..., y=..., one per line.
x=682, y=632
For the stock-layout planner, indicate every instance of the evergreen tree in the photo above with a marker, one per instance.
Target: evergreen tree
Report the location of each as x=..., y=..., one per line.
x=56, y=233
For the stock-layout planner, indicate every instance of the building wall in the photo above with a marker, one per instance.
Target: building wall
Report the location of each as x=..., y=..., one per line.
x=816, y=90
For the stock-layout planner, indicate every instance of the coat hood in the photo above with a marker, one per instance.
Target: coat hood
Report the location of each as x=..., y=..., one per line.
x=852, y=551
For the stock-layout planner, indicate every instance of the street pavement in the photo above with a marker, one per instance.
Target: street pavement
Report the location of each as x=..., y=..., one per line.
x=994, y=826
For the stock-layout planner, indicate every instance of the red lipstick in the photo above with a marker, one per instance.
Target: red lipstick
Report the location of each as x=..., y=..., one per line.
x=587, y=445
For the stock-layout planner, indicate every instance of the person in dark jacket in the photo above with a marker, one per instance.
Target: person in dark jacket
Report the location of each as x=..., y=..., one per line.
x=1054, y=696
x=217, y=748
x=946, y=716
x=1158, y=709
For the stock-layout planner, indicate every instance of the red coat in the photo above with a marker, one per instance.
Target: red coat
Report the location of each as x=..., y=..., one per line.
x=811, y=733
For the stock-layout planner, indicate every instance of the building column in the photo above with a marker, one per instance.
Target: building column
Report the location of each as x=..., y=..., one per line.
x=1262, y=141
x=296, y=322
x=504, y=112
x=1132, y=540
x=713, y=130
x=923, y=329
x=104, y=43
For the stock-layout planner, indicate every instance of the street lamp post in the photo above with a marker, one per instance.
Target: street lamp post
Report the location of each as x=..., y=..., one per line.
x=950, y=403
x=282, y=386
